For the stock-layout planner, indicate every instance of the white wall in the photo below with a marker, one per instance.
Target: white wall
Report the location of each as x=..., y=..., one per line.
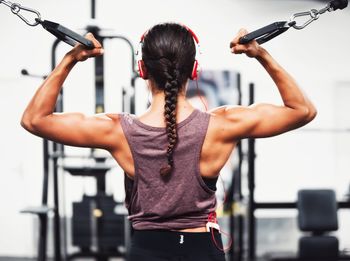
x=317, y=57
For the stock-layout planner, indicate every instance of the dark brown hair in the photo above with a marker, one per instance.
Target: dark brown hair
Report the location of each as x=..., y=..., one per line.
x=168, y=52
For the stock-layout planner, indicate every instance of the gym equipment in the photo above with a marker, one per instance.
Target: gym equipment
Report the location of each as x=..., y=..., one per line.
x=63, y=33
x=95, y=224
x=251, y=222
x=270, y=31
x=57, y=152
x=42, y=213
x=25, y=72
x=245, y=234
x=318, y=215
x=53, y=156
x=53, y=152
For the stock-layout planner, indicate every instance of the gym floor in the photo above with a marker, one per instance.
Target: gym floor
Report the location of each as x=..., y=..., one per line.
x=33, y=259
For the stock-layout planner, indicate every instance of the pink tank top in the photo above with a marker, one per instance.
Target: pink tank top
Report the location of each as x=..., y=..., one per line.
x=181, y=200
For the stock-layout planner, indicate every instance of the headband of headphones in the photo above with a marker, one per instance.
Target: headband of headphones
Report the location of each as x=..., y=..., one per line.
x=142, y=70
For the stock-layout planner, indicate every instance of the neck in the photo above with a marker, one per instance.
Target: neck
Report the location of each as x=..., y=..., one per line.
x=158, y=102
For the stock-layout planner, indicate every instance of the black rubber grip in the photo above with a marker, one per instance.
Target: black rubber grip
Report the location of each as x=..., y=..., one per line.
x=266, y=33
x=246, y=39
x=68, y=36
x=339, y=4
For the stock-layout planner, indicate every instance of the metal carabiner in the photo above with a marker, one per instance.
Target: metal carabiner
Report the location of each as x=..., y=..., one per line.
x=313, y=13
x=16, y=8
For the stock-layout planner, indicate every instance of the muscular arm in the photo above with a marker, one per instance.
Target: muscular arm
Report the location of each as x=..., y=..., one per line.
x=73, y=129
x=264, y=120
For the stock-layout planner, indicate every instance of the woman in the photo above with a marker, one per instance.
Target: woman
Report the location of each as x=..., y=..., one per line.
x=173, y=153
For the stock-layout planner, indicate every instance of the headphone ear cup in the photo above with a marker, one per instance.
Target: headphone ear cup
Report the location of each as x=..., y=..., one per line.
x=195, y=71
x=142, y=70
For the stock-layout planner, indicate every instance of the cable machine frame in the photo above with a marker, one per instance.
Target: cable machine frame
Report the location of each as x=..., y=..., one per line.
x=53, y=151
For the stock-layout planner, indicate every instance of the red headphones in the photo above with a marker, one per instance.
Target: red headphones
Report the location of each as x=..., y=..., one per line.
x=141, y=67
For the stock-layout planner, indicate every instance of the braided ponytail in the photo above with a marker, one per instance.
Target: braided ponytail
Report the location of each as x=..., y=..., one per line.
x=171, y=90
x=168, y=52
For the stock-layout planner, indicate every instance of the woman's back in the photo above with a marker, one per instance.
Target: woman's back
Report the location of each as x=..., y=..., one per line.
x=214, y=151
x=177, y=201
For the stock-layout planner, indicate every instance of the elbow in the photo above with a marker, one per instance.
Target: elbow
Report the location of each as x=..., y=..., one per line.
x=308, y=114
x=312, y=114
x=28, y=123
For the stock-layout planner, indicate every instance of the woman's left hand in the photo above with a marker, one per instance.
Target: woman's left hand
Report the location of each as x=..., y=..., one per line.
x=251, y=49
x=80, y=53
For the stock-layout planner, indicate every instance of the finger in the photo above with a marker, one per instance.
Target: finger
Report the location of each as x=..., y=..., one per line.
x=95, y=52
x=234, y=42
x=239, y=49
x=92, y=38
x=242, y=32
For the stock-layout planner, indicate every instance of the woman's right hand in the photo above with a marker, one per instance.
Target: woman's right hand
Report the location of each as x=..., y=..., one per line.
x=80, y=53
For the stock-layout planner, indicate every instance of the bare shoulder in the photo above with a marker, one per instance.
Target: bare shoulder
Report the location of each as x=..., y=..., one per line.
x=114, y=131
x=231, y=113
x=113, y=117
x=229, y=121
x=115, y=121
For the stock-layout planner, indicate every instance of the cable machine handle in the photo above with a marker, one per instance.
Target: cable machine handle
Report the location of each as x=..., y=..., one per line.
x=266, y=33
x=269, y=32
x=63, y=33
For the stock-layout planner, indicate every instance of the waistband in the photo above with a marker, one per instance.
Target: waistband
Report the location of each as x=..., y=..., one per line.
x=175, y=242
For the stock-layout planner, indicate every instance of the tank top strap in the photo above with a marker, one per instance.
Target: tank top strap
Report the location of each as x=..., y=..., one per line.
x=127, y=124
x=200, y=125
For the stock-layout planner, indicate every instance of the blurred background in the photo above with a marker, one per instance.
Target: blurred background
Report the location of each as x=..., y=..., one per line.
x=316, y=156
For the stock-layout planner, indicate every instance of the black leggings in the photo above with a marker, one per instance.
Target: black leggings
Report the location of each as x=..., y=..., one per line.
x=159, y=245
